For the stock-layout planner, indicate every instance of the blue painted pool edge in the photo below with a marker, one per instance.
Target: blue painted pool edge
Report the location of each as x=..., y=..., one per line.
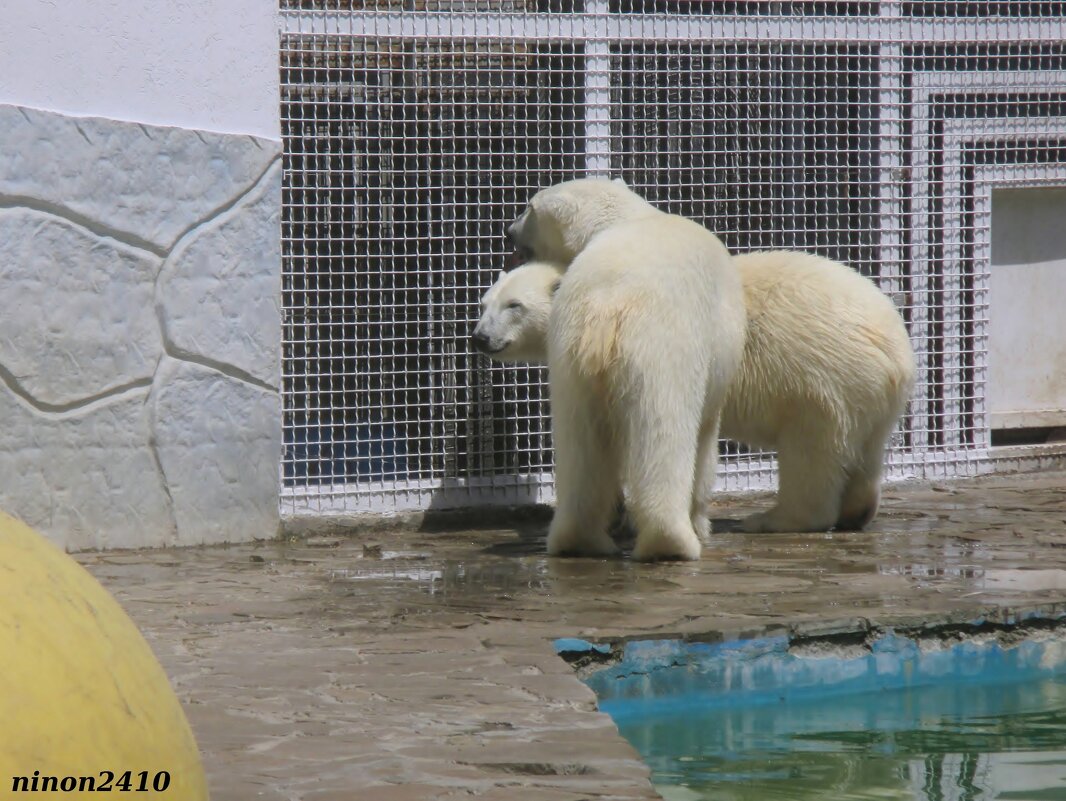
x=663, y=677
x=574, y=646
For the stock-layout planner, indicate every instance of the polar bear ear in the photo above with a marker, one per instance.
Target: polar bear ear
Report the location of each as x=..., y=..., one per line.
x=501, y=275
x=554, y=206
x=620, y=182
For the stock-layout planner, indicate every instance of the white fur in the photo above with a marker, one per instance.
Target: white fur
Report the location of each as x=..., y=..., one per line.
x=514, y=314
x=561, y=220
x=646, y=332
x=827, y=372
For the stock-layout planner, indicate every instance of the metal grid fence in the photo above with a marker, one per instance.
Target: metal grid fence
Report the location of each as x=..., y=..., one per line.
x=869, y=132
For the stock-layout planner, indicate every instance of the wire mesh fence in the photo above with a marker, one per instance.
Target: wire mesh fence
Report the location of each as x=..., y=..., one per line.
x=871, y=133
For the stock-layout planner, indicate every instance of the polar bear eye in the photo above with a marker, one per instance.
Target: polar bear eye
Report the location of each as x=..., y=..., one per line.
x=514, y=304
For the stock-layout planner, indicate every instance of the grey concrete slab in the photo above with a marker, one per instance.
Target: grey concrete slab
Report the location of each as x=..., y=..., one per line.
x=419, y=665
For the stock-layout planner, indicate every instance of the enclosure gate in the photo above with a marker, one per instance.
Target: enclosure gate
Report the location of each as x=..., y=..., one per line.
x=869, y=132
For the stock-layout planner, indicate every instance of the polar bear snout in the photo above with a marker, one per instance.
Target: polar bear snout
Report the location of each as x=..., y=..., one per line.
x=481, y=342
x=492, y=342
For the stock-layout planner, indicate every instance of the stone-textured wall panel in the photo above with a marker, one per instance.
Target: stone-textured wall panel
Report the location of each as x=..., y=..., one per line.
x=87, y=478
x=218, y=440
x=139, y=331
x=150, y=182
x=76, y=314
x=219, y=290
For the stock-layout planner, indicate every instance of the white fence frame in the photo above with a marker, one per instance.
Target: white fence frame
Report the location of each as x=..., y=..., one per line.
x=598, y=30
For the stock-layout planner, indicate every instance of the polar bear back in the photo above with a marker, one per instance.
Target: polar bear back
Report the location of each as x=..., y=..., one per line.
x=662, y=274
x=822, y=340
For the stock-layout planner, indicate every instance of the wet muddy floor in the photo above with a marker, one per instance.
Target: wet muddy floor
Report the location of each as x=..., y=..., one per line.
x=420, y=665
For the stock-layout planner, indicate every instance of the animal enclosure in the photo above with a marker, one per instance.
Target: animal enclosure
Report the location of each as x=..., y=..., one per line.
x=875, y=133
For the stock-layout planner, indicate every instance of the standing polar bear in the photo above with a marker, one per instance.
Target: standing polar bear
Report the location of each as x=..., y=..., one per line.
x=645, y=334
x=826, y=374
x=828, y=370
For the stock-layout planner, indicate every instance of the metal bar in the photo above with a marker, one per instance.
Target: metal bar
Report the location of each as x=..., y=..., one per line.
x=666, y=27
x=597, y=90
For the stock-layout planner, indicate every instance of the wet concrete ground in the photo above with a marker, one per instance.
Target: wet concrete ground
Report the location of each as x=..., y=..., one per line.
x=417, y=665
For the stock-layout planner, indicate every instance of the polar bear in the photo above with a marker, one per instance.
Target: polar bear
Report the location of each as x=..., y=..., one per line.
x=827, y=371
x=646, y=330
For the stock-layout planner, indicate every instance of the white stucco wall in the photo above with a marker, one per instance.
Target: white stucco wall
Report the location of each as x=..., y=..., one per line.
x=200, y=64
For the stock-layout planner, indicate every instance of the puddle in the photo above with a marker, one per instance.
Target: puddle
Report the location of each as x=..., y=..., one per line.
x=462, y=583
x=1026, y=580
x=386, y=575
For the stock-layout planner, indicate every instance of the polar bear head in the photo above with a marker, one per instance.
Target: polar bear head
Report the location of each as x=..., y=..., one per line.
x=514, y=314
x=560, y=220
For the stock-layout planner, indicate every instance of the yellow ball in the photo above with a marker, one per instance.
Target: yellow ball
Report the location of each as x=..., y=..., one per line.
x=82, y=697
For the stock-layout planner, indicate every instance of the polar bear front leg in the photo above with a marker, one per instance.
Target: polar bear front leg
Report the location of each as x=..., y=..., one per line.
x=587, y=484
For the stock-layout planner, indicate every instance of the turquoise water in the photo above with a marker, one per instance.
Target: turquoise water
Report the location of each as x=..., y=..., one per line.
x=960, y=718
x=962, y=742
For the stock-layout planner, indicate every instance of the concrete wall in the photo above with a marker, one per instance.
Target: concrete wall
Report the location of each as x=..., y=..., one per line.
x=139, y=331
x=205, y=64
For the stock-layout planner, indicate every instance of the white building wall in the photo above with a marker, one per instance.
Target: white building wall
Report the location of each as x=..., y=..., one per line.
x=140, y=192
x=1027, y=329
x=203, y=64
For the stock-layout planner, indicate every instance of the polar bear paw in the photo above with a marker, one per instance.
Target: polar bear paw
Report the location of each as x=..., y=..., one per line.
x=667, y=546
x=573, y=541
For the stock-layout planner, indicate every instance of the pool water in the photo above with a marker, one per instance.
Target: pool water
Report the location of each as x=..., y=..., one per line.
x=955, y=742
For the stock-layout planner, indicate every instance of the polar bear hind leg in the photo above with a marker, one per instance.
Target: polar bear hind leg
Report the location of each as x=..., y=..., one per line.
x=862, y=492
x=587, y=482
x=862, y=497
x=660, y=508
x=811, y=482
x=659, y=472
